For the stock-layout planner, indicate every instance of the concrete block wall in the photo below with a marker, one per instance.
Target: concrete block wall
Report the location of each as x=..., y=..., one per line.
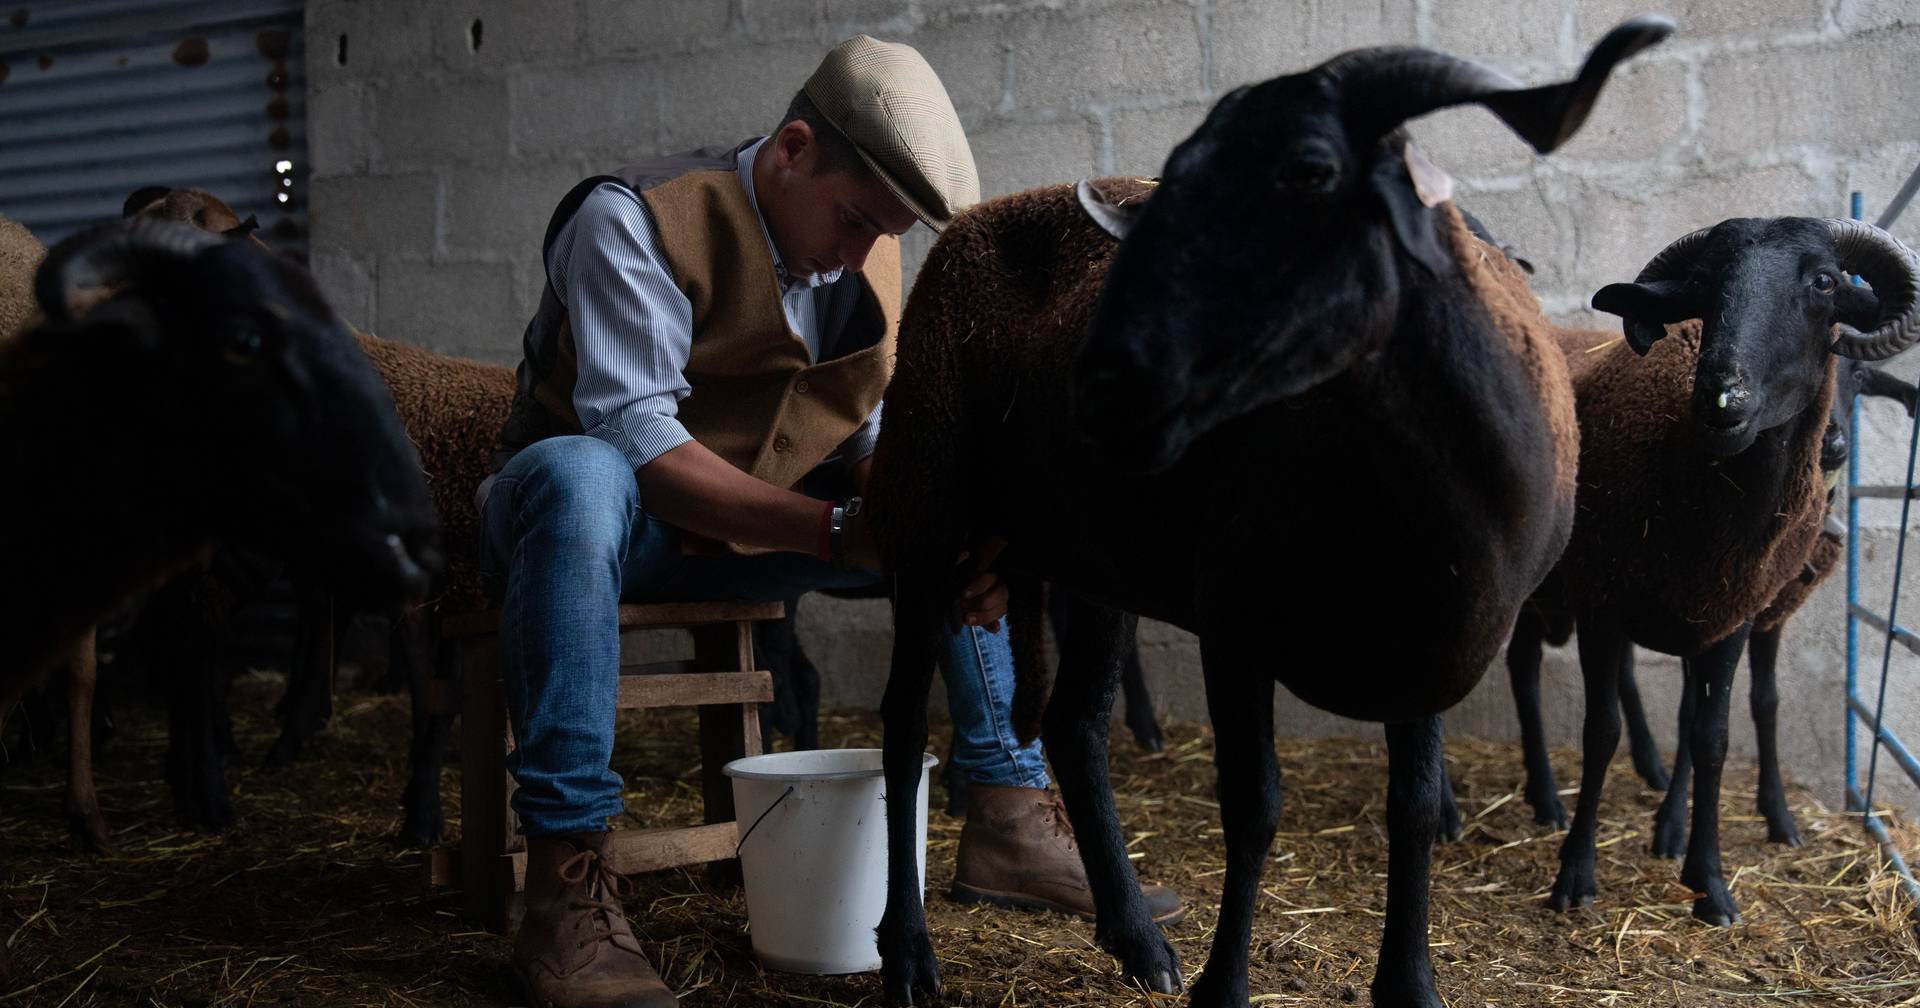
x=443, y=132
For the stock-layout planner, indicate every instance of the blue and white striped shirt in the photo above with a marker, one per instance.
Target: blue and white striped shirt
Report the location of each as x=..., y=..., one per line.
x=633, y=328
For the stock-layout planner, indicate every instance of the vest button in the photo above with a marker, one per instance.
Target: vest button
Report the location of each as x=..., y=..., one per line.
x=781, y=443
x=800, y=386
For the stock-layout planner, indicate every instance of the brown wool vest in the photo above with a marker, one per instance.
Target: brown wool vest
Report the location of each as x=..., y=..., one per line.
x=756, y=401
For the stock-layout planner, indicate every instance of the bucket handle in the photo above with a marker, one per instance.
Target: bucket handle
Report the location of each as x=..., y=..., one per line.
x=756, y=822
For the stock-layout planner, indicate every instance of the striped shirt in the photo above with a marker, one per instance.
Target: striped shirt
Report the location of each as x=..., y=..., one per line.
x=633, y=328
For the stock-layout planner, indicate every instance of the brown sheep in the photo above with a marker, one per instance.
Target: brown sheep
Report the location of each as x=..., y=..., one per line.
x=1701, y=490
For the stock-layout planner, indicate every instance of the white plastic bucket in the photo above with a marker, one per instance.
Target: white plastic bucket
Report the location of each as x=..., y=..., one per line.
x=813, y=849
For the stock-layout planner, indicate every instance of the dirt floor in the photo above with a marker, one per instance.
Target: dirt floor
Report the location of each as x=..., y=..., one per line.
x=307, y=903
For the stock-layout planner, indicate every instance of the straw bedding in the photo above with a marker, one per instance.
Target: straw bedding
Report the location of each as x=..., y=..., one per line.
x=306, y=903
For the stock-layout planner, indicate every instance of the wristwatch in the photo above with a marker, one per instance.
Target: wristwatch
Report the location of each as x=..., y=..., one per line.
x=837, y=528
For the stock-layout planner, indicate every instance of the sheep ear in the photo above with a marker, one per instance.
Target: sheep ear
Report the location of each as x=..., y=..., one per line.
x=1411, y=215
x=1113, y=218
x=1645, y=309
x=1876, y=382
x=1856, y=305
x=142, y=198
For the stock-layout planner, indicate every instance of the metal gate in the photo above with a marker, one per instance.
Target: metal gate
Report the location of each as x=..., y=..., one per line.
x=99, y=98
x=1891, y=632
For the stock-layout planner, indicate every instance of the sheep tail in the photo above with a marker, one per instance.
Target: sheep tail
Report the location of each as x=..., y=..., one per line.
x=1033, y=677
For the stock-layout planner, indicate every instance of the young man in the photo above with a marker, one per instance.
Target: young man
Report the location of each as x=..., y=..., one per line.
x=697, y=406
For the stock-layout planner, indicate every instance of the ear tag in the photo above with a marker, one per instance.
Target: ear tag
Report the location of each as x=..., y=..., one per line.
x=1432, y=185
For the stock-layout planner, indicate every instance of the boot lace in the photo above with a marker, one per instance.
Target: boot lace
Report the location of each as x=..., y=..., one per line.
x=1056, y=811
x=598, y=889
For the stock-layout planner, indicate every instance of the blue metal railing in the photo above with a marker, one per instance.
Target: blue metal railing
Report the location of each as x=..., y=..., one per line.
x=1888, y=625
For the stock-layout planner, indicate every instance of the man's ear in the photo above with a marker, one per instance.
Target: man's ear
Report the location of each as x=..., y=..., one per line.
x=1645, y=309
x=794, y=142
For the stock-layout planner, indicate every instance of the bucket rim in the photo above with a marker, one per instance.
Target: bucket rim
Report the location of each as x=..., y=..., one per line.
x=734, y=769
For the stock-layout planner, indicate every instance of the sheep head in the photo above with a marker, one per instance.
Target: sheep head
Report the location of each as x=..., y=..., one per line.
x=1771, y=294
x=1275, y=250
x=277, y=430
x=1852, y=379
x=198, y=207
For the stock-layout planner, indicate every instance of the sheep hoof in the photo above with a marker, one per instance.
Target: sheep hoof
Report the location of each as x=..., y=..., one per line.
x=1147, y=958
x=1781, y=829
x=1669, y=835
x=906, y=961
x=1716, y=907
x=1209, y=992
x=1573, y=888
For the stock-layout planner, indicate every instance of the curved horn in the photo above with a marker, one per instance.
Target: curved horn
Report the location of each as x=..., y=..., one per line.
x=1384, y=87
x=1894, y=271
x=111, y=254
x=1670, y=262
x=1667, y=266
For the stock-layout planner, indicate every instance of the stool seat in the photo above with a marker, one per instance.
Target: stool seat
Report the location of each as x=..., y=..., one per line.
x=720, y=680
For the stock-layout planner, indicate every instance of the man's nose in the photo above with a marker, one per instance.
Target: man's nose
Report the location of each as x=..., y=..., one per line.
x=853, y=254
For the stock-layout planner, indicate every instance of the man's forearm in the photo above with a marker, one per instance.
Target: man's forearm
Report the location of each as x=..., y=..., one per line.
x=692, y=488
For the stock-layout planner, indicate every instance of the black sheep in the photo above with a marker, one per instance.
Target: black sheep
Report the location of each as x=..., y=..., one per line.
x=239, y=412
x=1293, y=298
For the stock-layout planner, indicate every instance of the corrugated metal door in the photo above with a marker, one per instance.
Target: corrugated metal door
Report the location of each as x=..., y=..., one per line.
x=101, y=97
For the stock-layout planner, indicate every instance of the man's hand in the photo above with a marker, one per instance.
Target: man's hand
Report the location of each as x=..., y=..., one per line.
x=983, y=599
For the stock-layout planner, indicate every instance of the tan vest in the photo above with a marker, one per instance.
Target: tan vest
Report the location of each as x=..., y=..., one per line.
x=756, y=401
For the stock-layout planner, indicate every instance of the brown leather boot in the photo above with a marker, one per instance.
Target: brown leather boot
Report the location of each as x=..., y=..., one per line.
x=1017, y=850
x=575, y=949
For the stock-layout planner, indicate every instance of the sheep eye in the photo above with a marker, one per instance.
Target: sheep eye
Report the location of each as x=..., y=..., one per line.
x=1823, y=282
x=243, y=347
x=1309, y=175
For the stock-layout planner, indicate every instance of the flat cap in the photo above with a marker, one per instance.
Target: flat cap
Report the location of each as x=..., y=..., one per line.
x=892, y=107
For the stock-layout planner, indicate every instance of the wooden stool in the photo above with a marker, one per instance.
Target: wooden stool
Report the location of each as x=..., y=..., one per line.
x=720, y=680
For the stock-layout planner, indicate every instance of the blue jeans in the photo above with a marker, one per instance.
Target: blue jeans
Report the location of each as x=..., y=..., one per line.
x=564, y=525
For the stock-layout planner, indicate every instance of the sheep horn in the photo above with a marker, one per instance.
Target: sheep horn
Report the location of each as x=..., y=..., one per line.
x=1667, y=265
x=109, y=255
x=1893, y=270
x=1670, y=262
x=1384, y=87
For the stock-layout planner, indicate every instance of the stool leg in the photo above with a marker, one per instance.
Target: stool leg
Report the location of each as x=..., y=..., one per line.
x=727, y=731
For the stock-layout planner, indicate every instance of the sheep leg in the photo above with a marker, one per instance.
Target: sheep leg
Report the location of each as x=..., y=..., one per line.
x=1646, y=752
x=1133, y=677
x=805, y=688
x=1416, y=782
x=1763, y=651
x=773, y=650
x=906, y=949
x=199, y=735
x=84, y=820
x=1240, y=703
x=1601, y=644
x=1710, y=678
x=411, y=648
x=1523, y=673
x=1670, y=822
x=1450, y=828
x=309, y=699
x=1092, y=655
